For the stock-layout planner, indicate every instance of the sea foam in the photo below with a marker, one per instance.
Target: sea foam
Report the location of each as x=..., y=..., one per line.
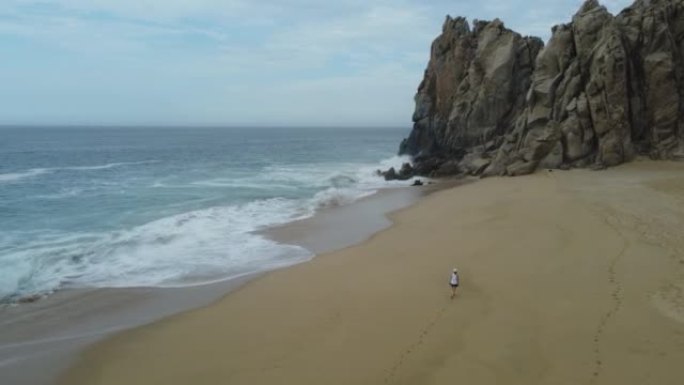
x=190, y=248
x=17, y=176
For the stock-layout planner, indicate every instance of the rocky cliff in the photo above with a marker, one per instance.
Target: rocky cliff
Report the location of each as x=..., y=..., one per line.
x=604, y=90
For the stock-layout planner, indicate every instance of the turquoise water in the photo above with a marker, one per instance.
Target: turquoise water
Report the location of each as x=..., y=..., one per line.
x=123, y=207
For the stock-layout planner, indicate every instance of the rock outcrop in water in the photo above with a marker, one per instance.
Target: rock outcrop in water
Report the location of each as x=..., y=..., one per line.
x=604, y=90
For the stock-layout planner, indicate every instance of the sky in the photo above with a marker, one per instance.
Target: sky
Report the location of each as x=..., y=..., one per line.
x=232, y=62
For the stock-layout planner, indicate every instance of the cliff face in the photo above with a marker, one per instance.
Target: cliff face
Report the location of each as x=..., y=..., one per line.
x=605, y=89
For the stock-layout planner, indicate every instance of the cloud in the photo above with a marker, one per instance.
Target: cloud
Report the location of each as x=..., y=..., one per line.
x=231, y=61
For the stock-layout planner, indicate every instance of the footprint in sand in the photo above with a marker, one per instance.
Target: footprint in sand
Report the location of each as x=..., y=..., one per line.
x=616, y=299
x=669, y=301
x=421, y=338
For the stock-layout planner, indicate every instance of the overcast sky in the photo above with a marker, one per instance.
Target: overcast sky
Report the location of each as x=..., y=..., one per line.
x=232, y=62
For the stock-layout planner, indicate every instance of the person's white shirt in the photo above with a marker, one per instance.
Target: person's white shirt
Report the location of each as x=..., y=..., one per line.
x=454, y=278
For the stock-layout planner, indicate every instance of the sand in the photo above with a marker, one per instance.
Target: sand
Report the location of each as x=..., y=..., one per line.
x=567, y=278
x=39, y=340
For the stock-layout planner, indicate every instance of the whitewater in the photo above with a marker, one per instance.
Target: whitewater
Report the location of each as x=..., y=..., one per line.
x=161, y=207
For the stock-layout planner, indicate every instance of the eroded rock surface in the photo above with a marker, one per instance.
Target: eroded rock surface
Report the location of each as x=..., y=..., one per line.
x=605, y=89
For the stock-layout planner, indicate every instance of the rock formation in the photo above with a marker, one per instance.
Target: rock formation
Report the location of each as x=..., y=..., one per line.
x=604, y=90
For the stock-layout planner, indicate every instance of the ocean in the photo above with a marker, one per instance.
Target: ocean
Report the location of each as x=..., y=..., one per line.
x=168, y=207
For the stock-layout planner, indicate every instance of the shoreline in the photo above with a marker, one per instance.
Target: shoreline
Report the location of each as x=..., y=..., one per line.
x=318, y=233
x=28, y=340
x=520, y=314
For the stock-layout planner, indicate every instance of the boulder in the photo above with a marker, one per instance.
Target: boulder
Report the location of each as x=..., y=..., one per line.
x=449, y=168
x=474, y=164
x=390, y=174
x=405, y=173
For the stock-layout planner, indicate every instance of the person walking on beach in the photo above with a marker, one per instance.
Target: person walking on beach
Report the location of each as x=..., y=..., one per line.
x=453, y=282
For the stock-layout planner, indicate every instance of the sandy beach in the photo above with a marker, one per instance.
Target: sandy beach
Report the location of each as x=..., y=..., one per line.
x=570, y=277
x=39, y=340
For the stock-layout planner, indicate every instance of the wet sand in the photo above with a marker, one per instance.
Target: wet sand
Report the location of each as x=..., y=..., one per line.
x=567, y=278
x=333, y=230
x=41, y=339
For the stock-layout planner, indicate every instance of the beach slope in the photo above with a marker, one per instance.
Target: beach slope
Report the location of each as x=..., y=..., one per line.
x=567, y=278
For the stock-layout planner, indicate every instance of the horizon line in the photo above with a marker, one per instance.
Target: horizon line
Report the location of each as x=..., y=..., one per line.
x=200, y=126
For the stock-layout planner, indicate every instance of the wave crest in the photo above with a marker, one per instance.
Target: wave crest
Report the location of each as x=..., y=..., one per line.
x=190, y=248
x=17, y=176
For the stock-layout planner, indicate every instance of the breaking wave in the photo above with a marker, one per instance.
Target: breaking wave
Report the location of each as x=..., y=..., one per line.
x=194, y=247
